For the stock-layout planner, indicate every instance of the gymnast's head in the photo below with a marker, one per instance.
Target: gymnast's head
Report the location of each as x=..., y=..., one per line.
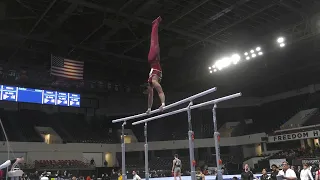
x=176, y=156
x=134, y=172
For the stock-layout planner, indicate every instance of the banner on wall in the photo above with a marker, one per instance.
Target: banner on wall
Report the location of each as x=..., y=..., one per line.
x=277, y=162
x=299, y=162
x=294, y=136
x=310, y=161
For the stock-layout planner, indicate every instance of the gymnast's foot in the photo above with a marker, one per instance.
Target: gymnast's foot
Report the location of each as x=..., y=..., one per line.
x=158, y=20
x=148, y=111
x=161, y=107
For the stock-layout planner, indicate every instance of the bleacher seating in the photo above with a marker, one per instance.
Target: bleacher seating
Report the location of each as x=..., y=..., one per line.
x=20, y=125
x=271, y=116
x=58, y=164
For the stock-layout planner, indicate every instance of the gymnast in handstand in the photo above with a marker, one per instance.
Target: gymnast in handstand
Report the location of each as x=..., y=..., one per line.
x=155, y=74
x=11, y=162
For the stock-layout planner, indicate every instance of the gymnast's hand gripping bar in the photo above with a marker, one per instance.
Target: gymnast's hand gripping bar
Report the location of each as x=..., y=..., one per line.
x=191, y=98
x=215, y=101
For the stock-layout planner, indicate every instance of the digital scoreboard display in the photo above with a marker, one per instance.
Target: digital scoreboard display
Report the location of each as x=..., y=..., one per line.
x=39, y=96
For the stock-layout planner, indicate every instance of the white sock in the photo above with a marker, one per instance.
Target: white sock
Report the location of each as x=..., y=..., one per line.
x=5, y=164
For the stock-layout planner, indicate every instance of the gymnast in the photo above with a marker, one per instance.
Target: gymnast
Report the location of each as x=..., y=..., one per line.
x=155, y=74
x=11, y=162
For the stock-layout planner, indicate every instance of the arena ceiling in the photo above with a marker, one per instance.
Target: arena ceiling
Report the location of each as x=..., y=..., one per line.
x=112, y=37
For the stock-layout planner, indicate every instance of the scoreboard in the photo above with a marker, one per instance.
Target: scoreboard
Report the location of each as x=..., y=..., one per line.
x=39, y=96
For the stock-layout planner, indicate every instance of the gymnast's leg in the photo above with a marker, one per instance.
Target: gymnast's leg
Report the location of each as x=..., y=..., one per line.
x=150, y=98
x=157, y=86
x=11, y=162
x=154, y=44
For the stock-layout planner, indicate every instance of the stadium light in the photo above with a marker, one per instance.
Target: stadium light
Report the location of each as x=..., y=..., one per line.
x=225, y=62
x=282, y=45
x=280, y=40
x=235, y=58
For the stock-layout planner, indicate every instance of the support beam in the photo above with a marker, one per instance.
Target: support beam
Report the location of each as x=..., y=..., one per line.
x=220, y=14
x=231, y=25
x=290, y=7
x=121, y=56
x=64, y=16
x=167, y=107
x=215, y=101
x=73, y=45
x=87, y=37
x=33, y=28
x=116, y=26
x=137, y=19
x=144, y=6
x=125, y=5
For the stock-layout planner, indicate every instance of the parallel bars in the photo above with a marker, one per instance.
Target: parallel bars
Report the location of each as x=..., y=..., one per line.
x=123, y=120
x=190, y=132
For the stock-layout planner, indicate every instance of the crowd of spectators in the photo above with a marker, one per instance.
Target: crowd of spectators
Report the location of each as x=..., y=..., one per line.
x=61, y=164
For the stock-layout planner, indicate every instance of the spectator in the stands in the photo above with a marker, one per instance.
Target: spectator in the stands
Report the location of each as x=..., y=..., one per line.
x=113, y=172
x=1, y=174
x=135, y=176
x=44, y=173
x=299, y=169
x=274, y=172
x=286, y=172
x=104, y=177
x=306, y=173
x=94, y=177
x=114, y=175
x=105, y=163
x=199, y=174
x=120, y=175
x=246, y=174
x=224, y=171
x=317, y=176
x=264, y=176
x=92, y=162
x=294, y=168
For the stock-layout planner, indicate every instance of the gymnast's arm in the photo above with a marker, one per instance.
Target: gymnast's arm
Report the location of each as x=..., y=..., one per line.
x=173, y=163
x=150, y=98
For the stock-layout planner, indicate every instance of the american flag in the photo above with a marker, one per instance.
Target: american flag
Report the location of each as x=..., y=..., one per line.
x=66, y=68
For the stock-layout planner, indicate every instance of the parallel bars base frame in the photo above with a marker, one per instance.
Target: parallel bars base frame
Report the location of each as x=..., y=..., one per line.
x=190, y=132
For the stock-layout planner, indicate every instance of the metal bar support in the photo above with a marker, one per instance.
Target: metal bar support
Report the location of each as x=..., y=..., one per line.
x=123, y=153
x=146, y=149
x=217, y=143
x=191, y=144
